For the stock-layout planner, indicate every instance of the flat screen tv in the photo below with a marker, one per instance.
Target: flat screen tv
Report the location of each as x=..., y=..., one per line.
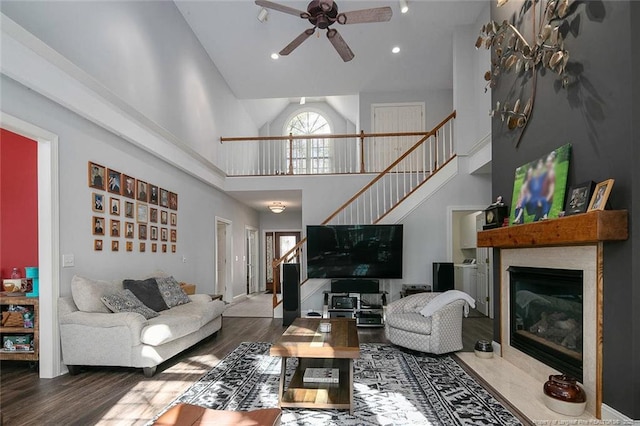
x=354, y=251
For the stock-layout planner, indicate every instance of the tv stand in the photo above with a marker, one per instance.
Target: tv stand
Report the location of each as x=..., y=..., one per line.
x=368, y=309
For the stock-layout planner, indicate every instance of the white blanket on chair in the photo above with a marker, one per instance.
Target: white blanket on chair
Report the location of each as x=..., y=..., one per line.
x=444, y=299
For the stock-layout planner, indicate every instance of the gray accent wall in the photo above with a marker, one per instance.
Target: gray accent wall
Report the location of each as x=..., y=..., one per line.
x=598, y=115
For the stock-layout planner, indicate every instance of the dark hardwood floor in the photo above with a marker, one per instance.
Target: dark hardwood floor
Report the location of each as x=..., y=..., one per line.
x=123, y=396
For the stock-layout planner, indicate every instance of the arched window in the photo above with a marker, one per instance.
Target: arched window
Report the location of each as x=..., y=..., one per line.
x=309, y=156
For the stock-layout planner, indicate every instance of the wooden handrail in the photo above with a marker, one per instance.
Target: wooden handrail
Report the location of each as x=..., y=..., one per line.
x=390, y=167
x=320, y=136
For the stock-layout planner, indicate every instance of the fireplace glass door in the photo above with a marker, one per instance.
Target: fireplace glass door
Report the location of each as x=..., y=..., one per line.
x=546, y=316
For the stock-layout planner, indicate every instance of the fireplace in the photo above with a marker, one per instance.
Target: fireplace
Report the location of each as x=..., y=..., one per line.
x=546, y=316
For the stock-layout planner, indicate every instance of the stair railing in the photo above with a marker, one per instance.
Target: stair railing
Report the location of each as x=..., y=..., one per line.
x=389, y=188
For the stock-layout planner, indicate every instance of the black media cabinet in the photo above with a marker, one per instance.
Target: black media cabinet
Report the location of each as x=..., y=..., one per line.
x=368, y=309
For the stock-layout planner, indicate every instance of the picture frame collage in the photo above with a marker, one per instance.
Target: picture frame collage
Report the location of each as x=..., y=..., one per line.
x=127, y=209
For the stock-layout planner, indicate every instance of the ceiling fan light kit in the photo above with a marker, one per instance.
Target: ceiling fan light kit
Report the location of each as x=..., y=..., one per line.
x=323, y=14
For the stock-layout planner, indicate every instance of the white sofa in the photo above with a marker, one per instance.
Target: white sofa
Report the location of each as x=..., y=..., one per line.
x=96, y=336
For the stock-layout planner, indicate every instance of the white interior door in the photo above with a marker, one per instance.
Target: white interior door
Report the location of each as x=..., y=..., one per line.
x=223, y=259
x=394, y=118
x=252, y=260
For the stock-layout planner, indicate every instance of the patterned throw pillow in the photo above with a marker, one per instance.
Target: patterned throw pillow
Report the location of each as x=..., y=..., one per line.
x=126, y=301
x=171, y=292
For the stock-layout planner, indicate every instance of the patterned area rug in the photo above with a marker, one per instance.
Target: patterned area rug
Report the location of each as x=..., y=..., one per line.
x=392, y=387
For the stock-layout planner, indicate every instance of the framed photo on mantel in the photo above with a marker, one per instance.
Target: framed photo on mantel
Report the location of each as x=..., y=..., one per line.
x=579, y=197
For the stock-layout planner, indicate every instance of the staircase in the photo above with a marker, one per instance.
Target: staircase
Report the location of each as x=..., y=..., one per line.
x=422, y=163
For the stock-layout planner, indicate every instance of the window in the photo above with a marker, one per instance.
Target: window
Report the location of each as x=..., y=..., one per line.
x=310, y=156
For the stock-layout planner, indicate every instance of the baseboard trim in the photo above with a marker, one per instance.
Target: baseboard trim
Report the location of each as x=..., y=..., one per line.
x=609, y=413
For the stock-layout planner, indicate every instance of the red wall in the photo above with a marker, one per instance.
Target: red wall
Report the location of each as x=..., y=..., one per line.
x=18, y=203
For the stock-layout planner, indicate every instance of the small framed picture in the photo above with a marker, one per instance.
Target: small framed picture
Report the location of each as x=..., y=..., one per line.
x=143, y=247
x=173, y=201
x=129, y=230
x=601, y=195
x=129, y=246
x=153, y=233
x=114, y=206
x=164, y=248
x=97, y=245
x=114, y=185
x=164, y=234
x=154, y=194
x=142, y=231
x=129, y=187
x=96, y=176
x=154, y=247
x=153, y=215
x=174, y=219
x=142, y=213
x=164, y=197
x=164, y=217
x=142, y=191
x=97, y=204
x=98, y=225
x=174, y=235
x=173, y=248
x=114, y=228
x=578, y=198
x=128, y=210
x=115, y=245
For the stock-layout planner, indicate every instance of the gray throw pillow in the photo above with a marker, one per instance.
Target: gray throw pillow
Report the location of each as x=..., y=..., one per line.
x=171, y=292
x=125, y=301
x=148, y=293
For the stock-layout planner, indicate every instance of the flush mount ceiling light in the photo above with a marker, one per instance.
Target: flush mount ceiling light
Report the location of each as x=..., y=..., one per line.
x=404, y=7
x=277, y=207
x=263, y=15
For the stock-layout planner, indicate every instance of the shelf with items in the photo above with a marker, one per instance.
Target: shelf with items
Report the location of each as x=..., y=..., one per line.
x=19, y=330
x=368, y=309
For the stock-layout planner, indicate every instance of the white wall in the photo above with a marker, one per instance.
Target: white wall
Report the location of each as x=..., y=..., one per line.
x=439, y=105
x=145, y=53
x=471, y=102
x=81, y=141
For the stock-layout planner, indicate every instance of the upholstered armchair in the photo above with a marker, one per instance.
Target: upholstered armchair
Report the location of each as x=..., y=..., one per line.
x=437, y=334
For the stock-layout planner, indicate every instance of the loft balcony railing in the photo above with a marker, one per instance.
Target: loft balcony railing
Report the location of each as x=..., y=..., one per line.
x=402, y=176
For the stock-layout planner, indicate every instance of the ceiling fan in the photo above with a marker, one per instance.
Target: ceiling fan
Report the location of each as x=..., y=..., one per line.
x=323, y=14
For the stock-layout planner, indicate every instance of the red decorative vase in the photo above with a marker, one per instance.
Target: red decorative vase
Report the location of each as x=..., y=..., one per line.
x=563, y=395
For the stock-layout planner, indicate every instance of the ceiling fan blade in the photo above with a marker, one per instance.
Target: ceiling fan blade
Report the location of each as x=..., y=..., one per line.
x=297, y=41
x=379, y=14
x=340, y=45
x=282, y=8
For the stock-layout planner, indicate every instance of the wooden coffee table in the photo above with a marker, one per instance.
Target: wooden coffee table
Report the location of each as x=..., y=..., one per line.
x=336, y=349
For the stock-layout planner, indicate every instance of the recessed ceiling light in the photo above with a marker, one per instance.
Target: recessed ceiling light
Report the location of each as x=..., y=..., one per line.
x=404, y=7
x=395, y=50
x=274, y=56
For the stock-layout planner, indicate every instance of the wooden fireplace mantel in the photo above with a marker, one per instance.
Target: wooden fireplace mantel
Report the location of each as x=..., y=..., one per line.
x=587, y=228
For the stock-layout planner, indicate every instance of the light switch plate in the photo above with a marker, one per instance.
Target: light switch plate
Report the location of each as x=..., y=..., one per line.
x=68, y=260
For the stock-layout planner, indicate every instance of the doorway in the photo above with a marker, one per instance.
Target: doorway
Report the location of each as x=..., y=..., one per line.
x=277, y=244
x=50, y=364
x=252, y=259
x=394, y=118
x=223, y=259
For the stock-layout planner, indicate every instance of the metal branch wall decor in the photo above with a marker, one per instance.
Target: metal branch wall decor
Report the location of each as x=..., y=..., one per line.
x=513, y=53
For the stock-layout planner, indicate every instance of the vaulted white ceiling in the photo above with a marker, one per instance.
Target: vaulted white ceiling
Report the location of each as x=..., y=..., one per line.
x=240, y=46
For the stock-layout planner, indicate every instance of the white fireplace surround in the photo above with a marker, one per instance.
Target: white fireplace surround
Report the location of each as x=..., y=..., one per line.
x=582, y=258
